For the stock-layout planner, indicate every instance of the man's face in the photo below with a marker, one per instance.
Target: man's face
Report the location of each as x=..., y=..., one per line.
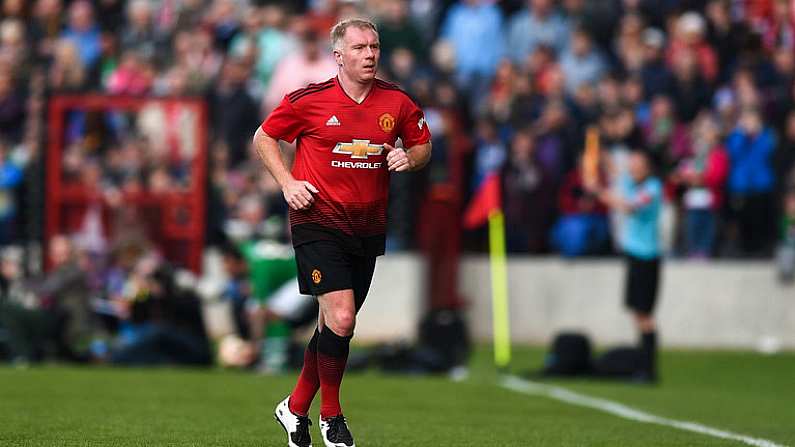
x=81, y=17
x=540, y=7
x=359, y=54
x=638, y=166
x=60, y=250
x=581, y=44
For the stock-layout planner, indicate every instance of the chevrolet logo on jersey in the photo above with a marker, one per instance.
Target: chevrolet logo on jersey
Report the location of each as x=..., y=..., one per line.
x=359, y=149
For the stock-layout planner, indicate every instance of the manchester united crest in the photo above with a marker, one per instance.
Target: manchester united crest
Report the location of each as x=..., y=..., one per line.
x=316, y=276
x=386, y=122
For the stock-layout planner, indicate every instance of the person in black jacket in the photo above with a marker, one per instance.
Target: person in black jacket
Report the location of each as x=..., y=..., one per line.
x=171, y=328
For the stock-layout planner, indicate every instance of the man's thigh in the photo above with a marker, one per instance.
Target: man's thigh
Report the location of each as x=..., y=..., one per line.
x=363, y=269
x=323, y=267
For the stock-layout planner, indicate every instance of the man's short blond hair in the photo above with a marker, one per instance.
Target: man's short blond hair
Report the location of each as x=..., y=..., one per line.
x=338, y=31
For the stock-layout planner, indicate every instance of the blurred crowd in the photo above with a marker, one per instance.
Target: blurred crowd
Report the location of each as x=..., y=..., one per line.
x=508, y=87
x=706, y=87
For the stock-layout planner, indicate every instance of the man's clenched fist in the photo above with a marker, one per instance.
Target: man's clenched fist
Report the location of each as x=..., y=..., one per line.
x=397, y=159
x=298, y=194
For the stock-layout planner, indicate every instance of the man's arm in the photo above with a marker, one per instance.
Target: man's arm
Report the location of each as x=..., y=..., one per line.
x=625, y=204
x=615, y=201
x=297, y=193
x=411, y=159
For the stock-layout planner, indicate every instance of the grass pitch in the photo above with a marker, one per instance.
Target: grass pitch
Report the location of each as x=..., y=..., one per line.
x=70, y=406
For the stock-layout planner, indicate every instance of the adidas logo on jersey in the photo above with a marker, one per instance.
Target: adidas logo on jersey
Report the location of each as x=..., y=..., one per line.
x=333, y=121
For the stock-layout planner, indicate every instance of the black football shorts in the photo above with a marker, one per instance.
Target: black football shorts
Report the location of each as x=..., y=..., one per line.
x=324, y=266
x=642, y=284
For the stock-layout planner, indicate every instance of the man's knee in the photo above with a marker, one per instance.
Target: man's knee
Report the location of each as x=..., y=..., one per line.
x=343, y=322
x=645, y=321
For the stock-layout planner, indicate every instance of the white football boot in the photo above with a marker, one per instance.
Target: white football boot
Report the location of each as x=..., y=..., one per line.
x=297, y=427
x=335, y=432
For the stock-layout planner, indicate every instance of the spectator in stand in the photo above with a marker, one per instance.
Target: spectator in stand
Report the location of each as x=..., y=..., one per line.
x=538, y=23
x=529, y=197
x=12, y=109
x=725, y=35
x=583, y=227
x=112, y=14
x=665, y=137
x=628, y=40
x=223, y=18
x=581, y=62
x=83, y=32
x=133, y=76
x=747, y=94
x=233, y=111
x=264, y=41
x=193, y=52
x=751, y=182
x=689, y=36
x=17, y=9
x=608, y=92
x=108, y=61
x=777, y=29
x=556, y=141
x=657, y=78
x=475, y=30
x=490, y=152
x=139, y=34
x=44, y=28
x=585, y=105
x=311, y=64
x=634, y=97
x=67, y=73
x=396, y=30
x=13, y=44
x=10, y=178
x=526, y=104
x=502, y=91
x=703, y=177
x=777, y=94
x=538, y=64
x=403, y=68
x=689, y=90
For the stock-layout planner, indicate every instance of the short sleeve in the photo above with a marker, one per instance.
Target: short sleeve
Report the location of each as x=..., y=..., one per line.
x=283, y=123
x=413, y=128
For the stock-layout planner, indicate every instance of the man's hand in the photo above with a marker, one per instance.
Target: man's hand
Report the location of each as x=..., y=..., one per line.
x=397, y=159
x=298, y=194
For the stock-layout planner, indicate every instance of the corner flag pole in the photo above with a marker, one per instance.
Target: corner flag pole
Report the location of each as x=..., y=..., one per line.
x=499, y=290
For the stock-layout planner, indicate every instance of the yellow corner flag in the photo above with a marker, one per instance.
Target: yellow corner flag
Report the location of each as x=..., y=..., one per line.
x=499, y=290
x=487, y=205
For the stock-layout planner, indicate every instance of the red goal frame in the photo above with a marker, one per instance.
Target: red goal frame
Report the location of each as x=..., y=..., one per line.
x=181, y=214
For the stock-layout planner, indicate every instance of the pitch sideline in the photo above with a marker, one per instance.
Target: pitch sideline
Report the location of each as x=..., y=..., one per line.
x=618, y=409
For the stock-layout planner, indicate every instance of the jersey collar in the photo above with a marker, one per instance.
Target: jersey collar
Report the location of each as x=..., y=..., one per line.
x=369, y=94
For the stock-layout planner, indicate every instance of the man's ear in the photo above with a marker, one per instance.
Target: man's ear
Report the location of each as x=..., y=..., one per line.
x=338, y=57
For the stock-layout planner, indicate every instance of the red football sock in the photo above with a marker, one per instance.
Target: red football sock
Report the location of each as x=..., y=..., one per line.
x=332, y=356
x=308, y=381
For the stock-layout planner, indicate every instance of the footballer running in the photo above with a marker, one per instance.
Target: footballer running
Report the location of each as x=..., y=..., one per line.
x=345, y=131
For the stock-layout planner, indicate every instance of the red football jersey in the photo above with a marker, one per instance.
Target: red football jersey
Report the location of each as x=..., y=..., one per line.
x=340, y=150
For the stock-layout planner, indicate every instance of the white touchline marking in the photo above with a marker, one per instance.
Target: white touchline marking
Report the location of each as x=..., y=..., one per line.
x=621, y=410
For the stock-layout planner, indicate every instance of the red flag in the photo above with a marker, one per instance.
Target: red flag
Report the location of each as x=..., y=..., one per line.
x=487, y=199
